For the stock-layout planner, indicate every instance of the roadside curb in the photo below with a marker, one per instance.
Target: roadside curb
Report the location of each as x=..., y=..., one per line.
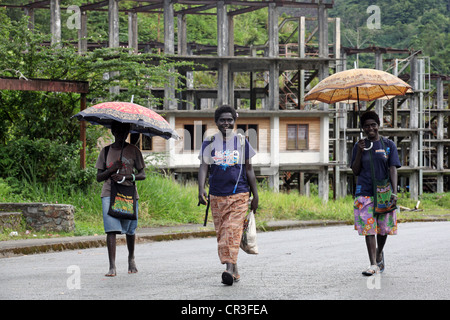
x=13, y=248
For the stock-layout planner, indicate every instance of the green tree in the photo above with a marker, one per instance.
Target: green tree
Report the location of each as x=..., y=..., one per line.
x=44, y=118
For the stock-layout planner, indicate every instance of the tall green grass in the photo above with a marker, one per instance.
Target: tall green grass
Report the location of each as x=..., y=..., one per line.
x=164, y=201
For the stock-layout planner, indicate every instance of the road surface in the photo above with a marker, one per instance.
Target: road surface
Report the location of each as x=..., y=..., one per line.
x=297, y=264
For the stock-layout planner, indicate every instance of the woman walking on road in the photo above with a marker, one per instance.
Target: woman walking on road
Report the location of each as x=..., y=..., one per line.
x=231, y=178
x=108, y=164
x=384, y=158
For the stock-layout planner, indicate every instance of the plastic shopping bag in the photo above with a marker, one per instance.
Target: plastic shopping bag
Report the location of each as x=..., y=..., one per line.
x=248, y=241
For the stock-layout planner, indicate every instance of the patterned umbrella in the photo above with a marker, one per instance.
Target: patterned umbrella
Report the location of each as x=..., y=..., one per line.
x=356, y=85
x=142, y=120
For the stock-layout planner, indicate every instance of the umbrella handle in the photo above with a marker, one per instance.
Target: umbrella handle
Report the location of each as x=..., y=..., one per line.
x=123, y=179
x=371, y=145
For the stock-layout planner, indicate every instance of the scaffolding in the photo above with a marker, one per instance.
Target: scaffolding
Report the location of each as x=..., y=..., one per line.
x=418, y=122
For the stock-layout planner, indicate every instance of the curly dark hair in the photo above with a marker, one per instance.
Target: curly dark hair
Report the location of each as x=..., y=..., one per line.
x=224, y=109
x=369, y=115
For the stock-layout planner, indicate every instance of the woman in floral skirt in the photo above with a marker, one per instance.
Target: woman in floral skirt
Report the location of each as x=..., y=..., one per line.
x=375, y=227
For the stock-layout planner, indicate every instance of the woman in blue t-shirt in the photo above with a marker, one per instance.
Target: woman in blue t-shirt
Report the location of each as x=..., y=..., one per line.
x=231, y=179
x=385, y=160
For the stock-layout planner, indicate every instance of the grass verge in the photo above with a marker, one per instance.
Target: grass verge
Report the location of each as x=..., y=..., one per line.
x=166, y=202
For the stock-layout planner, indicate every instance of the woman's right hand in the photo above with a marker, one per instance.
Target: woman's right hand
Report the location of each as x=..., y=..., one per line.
x=361, y=145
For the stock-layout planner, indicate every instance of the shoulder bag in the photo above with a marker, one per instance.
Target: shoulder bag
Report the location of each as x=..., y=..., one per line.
x=122, y=203
x=382, y=189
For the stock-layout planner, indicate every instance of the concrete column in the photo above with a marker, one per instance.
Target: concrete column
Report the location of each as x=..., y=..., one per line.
x=414, y=124
x=182, y=35
x=113, y=23
x=82, y=33
x=274, y=68
x=169, y=48
x=170, y=144
x=231, y=53
x=440, y=135
x=273, y=30
x=340, y=145
x=324, y=151
x=379, y=103
x=55, y=21
x=274, y=175
x=223, y=94
x=414, y=148
x=301, y=53
x=133, y=31
x=337, y=43
x=169, y=31
x=322, y=19
x=323, y=181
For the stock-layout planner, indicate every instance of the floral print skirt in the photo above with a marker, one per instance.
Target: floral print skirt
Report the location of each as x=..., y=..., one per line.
x=369, y=224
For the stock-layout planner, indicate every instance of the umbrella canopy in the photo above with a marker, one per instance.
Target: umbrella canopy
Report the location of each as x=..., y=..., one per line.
x=356, y=85
x=142, y=119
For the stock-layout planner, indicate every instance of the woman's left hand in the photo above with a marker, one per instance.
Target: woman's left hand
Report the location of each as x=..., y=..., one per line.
x=394, y=200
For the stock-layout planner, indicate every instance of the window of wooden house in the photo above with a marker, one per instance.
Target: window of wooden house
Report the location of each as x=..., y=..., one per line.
x=297, y=137
x=141, y=141
x=251, y=133
x=193, y=136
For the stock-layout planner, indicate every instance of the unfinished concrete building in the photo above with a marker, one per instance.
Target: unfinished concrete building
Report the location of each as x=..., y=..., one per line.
x=296, y=143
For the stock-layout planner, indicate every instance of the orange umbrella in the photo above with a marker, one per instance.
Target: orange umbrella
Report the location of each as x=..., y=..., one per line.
x=356, y=85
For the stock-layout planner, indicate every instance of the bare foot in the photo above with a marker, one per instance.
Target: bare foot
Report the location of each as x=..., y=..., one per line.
x=111, y=272
x=132, y=266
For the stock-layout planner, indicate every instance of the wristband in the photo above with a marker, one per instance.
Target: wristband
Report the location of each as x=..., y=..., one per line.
x=121, y=181
x=134, y=177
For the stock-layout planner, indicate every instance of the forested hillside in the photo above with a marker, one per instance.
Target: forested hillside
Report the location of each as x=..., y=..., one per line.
x=413, y=24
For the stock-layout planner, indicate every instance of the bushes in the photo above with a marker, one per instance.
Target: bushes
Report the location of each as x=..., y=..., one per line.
x=43, y=161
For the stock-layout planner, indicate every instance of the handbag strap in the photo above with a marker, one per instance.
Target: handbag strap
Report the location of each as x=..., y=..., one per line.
x=374, y=186
x=371, y=160
x=106, y=154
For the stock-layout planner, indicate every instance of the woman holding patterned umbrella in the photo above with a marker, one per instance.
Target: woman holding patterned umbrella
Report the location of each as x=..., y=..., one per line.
x=383, y=158
x=119, y=163
x=353, y=86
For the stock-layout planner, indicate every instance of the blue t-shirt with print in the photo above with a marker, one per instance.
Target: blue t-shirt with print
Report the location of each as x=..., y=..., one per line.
x=383, y=159
x=226, y=164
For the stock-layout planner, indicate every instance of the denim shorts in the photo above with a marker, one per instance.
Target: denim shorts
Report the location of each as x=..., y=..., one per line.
x=116, y=225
